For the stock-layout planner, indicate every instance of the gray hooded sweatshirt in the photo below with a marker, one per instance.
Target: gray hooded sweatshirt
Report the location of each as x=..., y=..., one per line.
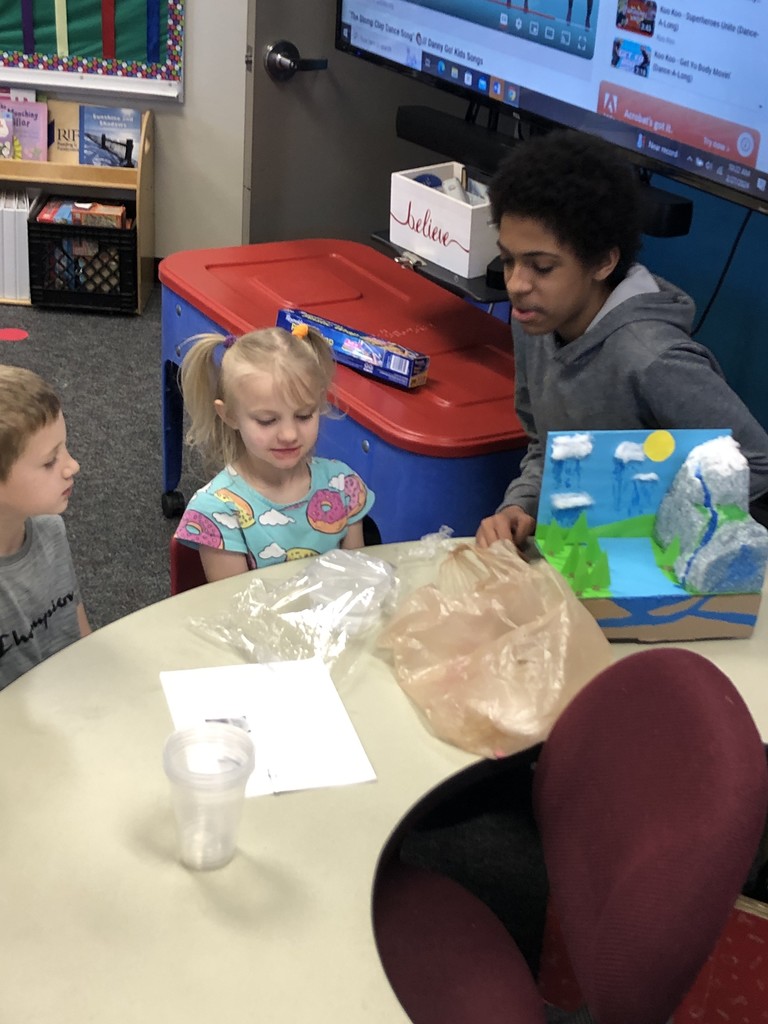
x=635, y=367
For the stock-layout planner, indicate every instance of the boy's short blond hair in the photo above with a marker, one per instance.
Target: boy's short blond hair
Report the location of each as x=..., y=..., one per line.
x=27, y=404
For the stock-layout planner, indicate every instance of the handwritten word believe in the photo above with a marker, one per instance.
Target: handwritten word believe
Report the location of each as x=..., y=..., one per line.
x=426, y=227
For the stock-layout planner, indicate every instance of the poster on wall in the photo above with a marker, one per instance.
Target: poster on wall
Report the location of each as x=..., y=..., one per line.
x=130, y=47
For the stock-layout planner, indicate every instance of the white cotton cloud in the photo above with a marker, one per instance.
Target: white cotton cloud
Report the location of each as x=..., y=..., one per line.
x=272, y=551
x=572, y=499
x=646, y=477
x=274, y=517
x=337, y=482
x=629, y=451
x=571, y=446
x=227, y=519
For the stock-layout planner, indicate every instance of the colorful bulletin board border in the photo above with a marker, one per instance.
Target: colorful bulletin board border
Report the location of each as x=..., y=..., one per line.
x=130, y=47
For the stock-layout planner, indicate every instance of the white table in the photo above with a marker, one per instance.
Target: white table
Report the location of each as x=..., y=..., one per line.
x=100, y=921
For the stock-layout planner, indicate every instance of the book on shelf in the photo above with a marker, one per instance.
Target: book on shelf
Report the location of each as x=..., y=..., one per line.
x=57, y=210
x=6, y=135
x=30, y=128
x=109, y=136
x=13, y=92
x=63, y=132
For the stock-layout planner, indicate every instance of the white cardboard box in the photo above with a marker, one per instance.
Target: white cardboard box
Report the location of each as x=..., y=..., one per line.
x=454, y=233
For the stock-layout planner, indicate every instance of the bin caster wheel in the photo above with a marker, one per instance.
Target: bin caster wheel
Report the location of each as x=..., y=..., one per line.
x=173, y=504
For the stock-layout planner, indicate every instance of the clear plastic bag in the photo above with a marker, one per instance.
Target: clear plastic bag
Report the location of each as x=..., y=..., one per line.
x=494, y=649
x=341, y=597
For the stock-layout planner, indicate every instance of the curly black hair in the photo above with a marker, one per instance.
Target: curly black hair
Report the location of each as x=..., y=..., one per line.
x=580, y=189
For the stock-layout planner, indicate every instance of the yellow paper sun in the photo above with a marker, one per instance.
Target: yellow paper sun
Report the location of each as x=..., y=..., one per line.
x=659, y=445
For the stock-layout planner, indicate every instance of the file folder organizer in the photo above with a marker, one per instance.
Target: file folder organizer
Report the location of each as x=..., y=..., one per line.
x=440, y=454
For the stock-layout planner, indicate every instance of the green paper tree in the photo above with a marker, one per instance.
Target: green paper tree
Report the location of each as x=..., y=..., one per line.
x=600, y=576
x=593, y=550
x=582, y=574
x=555, y=538
x=572, y=560
x=579, y=533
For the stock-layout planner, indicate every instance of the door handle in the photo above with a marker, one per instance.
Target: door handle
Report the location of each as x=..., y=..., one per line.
x=282, y=60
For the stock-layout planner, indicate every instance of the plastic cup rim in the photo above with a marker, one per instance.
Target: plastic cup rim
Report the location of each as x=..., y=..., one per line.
x=205, y=780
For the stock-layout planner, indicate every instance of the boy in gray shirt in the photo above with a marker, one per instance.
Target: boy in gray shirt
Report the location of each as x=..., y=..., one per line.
x=600, y=343
x=40, y=606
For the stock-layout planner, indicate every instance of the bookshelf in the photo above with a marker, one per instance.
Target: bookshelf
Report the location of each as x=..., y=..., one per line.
x=134, y=183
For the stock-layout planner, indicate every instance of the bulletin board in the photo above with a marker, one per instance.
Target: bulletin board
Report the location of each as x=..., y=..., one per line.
x=129, y=47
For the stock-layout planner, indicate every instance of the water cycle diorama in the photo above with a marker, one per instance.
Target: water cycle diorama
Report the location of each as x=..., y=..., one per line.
x=652, y=530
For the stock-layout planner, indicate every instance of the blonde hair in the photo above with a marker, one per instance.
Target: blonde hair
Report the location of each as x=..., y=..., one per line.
x=302, y=367
x=27, y=404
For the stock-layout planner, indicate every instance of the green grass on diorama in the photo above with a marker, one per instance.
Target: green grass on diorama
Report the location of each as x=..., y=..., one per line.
x=578, y=569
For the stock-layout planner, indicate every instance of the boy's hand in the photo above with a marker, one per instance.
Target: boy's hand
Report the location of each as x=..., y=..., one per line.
x=511, y=523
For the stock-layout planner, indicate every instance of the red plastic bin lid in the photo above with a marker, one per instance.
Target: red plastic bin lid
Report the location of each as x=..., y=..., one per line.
x=466, y=408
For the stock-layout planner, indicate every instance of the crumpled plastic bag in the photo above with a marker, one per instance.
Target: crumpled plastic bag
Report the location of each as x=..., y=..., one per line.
x=493, y=651
x=339, y=597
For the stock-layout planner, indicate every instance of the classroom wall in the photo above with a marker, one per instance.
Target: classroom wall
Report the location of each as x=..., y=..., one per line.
x=736, y=329
x=200, y=148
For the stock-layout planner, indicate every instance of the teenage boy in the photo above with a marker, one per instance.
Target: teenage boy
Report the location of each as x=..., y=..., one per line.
x=40, y=606
x=600, y=343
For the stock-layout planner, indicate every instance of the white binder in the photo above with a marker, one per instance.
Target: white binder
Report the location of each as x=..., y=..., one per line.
x=7, y=219
x=22, y=246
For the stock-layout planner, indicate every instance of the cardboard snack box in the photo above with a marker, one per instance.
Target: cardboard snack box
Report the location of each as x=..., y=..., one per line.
x=383, y=360
x=99, y=215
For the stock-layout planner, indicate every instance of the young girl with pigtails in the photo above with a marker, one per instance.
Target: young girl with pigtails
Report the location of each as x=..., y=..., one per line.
x=254, y=406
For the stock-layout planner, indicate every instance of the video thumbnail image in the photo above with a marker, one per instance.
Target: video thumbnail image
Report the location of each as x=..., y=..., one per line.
x=559, y=9
x=636, y=16
x=577, y=16
x=630, y=55
x=566, y=25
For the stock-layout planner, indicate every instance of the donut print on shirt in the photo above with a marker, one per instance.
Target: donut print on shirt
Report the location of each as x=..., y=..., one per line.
x=330, y=508
x=243, y=510
x=327, y=511
x=356, y=493
x=200, y=529
x=227, y=513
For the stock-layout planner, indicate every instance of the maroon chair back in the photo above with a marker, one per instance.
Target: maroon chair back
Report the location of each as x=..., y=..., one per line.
x=651, y=795
x=186, y=567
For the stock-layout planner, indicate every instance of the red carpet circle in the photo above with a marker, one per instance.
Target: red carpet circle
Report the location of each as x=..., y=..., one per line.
x=12, y=334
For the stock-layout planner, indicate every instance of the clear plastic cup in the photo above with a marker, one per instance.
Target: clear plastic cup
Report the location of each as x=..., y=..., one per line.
x=208, y=766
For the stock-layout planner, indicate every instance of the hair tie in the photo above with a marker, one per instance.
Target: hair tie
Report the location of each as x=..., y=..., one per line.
x=300, y=330
x=229, y=341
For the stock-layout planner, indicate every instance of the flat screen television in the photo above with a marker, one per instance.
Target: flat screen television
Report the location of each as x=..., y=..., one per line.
x=681, y=86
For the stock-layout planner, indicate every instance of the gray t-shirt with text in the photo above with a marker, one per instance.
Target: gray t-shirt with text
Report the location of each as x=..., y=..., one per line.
x=39, y=597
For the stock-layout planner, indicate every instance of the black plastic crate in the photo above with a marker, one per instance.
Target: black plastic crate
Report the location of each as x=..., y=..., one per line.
x=83, y=267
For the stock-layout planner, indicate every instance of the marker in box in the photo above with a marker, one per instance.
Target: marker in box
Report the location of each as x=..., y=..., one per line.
x=452, y=187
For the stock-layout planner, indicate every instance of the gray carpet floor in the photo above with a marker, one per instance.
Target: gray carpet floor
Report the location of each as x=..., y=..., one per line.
x=106, y=368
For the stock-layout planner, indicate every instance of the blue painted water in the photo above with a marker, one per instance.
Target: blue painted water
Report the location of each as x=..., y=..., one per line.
x=634, y=572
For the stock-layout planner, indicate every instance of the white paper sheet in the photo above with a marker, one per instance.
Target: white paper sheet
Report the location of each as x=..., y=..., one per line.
x=302, y=735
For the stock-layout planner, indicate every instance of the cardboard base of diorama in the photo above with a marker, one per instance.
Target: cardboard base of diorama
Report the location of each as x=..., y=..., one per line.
x=652, y=530
x=658, y=620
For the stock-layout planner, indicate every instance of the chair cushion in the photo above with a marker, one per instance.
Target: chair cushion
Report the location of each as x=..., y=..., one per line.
x=447, y=956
